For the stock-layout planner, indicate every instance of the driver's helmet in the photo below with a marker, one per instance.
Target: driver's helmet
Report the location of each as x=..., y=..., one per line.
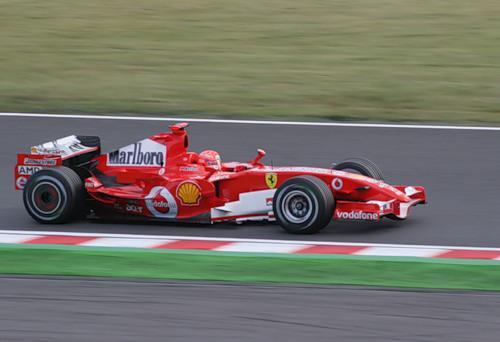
x=210, y=159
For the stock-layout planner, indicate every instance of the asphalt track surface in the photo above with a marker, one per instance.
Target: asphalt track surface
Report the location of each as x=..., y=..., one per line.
x=460, y=169
x=101, y=310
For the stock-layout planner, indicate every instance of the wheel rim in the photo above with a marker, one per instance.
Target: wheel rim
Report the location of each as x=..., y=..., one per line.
x=297, y=206
x=46, y=198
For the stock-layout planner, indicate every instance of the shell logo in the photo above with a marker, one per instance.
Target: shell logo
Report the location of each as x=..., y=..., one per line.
x=189, y=193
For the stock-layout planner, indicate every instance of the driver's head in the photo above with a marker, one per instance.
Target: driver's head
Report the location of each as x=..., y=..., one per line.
x=210, y=159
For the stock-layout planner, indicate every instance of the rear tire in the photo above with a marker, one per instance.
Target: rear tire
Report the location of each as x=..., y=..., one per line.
x=54, y=195
x=303, y=205
x=361, y=165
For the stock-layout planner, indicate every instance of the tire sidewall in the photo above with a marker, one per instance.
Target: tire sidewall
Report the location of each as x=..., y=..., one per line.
x=281, y=217
x=319, y=216
x=362, y=165
x=66, y=192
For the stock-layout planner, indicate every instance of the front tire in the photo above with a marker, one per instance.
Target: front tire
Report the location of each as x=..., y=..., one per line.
x=303, y=205
x=362, y=166
x=55, y=195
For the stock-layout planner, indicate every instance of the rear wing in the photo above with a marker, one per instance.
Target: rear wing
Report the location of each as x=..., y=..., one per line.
x=28, y=164
x=53, y=154
x=67, y=147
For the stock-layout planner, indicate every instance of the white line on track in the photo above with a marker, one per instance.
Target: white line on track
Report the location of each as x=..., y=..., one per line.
x=306, y=242
x=250, y=122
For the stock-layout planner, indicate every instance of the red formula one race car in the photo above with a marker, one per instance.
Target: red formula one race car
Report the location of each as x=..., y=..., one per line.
x=158, y=178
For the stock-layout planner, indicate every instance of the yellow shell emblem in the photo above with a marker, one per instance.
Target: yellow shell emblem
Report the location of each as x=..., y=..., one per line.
x=271, y=180
x=189, y=193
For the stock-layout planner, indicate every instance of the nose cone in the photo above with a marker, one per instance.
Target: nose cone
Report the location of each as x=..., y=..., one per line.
x=380, y=187
x=393, y=192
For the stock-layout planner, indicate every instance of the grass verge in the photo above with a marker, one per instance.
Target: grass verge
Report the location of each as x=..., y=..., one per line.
x=241, y=267
x=401, y=60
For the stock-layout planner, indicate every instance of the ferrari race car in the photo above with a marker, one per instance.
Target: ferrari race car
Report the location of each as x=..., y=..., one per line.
x=159, y=179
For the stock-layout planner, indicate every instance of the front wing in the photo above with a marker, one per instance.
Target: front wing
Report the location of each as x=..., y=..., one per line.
x=375, y=210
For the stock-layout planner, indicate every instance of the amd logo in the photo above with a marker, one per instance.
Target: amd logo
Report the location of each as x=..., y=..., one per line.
x=28, y=170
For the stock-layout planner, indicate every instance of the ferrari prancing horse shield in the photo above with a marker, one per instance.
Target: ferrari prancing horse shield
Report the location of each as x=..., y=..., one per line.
x=271, y=180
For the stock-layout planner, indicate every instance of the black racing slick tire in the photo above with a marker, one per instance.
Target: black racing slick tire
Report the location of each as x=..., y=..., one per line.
x=54, y=195
x=361, y=165
x=303, y=205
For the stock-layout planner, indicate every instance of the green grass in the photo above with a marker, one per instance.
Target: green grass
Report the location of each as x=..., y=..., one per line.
x=413, y=60
x=241, y=267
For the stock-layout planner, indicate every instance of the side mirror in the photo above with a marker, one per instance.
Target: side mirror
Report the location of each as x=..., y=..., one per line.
x=260, y=154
